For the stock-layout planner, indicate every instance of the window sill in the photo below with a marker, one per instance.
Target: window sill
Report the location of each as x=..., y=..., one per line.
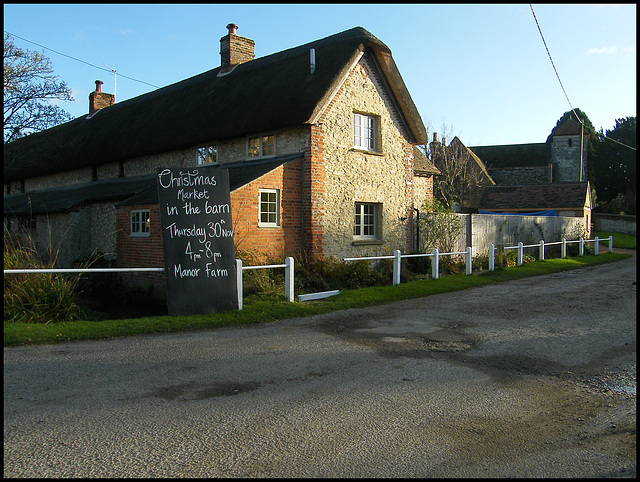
x=366, y=242
x=365, y=151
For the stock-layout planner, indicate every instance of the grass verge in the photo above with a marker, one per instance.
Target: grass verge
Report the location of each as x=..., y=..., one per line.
x=262, y=309
x=620, y=240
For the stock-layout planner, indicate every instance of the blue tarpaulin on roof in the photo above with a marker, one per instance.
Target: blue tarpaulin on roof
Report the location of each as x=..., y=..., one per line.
x=549, y=212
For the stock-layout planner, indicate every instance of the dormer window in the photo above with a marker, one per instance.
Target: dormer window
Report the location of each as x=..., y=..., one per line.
x=261, y=146
x=207, y=155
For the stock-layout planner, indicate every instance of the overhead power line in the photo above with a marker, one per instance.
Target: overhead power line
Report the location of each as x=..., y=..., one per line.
x=560, y=81
x=79, y=60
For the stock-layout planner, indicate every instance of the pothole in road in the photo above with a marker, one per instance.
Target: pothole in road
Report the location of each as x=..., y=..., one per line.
x=202, y=391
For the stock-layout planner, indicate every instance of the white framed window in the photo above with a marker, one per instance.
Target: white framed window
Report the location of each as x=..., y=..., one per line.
x=207, y=154
x=365, y=132
x=261, y=146
x=365, y=225
x=139, y=223
x=269, y=215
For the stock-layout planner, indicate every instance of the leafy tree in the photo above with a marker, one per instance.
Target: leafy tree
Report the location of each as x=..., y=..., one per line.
x=615, y=167
x=29, y=88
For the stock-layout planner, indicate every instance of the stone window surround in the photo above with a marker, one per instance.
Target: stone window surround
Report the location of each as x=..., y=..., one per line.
x=376, y=237
x=375, y=134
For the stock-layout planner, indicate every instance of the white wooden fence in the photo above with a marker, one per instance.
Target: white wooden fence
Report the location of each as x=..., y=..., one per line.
x=397, y=261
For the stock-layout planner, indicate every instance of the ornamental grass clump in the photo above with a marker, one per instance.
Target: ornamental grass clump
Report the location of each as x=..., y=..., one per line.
x=35, y=297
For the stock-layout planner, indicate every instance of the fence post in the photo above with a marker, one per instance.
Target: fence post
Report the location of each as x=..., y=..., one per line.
x=542, y=250
x=435, y=271
x=581, y=246
x=520, y=253
x=239, y=281
x=492, y=258
x=597, y=246
x=563, y=252
x=289, y=278
x=396, y=267
x=469, y=260
x=611, y=244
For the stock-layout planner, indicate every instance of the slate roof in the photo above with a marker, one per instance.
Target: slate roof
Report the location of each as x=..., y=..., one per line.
x=514, y=155
x=264, y=94
x=538, y=197
x=126, y=190
x=524, y=155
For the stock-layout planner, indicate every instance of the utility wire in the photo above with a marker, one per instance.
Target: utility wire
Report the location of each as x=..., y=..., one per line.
x=79, y=60
x=560, y=81
x=552, y=64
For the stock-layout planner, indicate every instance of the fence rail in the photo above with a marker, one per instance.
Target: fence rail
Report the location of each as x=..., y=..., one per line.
x=397, y=262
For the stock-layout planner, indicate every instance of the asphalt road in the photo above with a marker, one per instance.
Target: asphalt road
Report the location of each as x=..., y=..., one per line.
x=532, y=378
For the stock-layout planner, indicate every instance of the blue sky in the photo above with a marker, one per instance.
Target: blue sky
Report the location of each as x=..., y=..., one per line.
x=479, y=72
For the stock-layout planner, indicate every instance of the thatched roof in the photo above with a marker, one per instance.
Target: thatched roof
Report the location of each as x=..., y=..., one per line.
x=267, y=93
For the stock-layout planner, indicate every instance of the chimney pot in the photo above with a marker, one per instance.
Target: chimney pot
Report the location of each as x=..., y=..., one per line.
x=435, y=137
x=99, y=100
x=235, y=49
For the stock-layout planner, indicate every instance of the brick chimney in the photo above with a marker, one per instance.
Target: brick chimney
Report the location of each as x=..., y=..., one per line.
x=99, y=100
x=436, y=148
x=234, y=49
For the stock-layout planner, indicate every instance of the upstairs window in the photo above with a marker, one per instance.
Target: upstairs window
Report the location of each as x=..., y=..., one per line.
x=207, y=155
x=261, y=146
x=140, y=223
x=365, y=132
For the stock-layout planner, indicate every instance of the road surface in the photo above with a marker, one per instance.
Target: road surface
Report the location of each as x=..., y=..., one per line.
x=531, y=378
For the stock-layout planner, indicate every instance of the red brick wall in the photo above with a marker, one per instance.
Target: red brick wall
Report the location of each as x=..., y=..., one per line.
x=267, y=243
x=140, y=252
x=313, y=193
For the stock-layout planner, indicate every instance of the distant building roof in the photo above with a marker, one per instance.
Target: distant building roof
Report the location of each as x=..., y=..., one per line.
x=536, y=197
x=514, y=155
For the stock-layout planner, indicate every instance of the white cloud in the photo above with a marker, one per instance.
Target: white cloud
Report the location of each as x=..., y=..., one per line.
x=629, y=49
x=604, y=50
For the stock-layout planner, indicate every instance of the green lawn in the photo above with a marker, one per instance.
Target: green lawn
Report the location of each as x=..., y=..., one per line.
x=266, y=309
x=625, y=241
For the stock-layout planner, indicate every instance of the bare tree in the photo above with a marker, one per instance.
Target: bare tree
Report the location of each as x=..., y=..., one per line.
x=462, y=173
x=29, y=88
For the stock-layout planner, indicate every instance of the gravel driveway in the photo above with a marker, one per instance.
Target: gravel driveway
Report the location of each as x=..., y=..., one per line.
x=531, y=378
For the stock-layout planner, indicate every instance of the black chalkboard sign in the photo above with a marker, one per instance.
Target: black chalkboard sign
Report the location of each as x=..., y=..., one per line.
x=197, y=238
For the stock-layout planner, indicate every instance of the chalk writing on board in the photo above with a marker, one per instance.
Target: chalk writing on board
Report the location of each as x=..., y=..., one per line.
x=197, y=238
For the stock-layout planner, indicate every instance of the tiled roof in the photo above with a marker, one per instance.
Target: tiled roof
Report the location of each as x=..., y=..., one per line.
x=535, y=197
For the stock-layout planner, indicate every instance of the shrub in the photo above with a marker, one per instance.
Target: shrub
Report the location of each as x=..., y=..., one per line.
x=40, y=297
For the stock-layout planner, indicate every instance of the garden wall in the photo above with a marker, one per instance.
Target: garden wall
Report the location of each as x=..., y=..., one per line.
x=616, y=223
x=481, y=230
